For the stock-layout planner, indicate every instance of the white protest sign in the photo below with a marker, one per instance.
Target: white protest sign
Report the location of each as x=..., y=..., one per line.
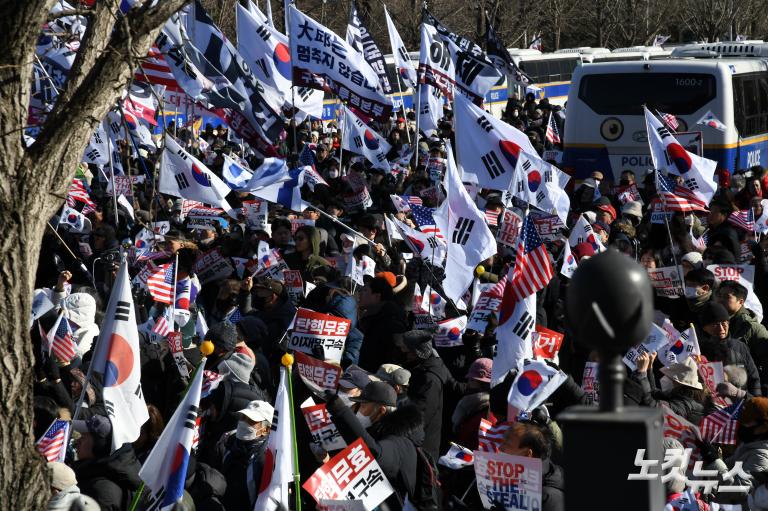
x=41, y=303
x=352, y=474
x=745, y=275
x=509, y=228
x=256, y=214
x=667, y=281
x=655, y=341
x=590, y=383
x=510, y=482
x=321, y=427
x=211, y=266
x=312, y=329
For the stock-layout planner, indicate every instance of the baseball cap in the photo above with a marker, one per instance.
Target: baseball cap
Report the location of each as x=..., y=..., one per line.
x=394, y=374
x=378, y=392
x=480, y=370
x=355, y=377
x=97, y=425
x=258, y=411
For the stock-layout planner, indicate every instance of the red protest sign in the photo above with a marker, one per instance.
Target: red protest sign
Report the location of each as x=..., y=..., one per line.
x=319, y=376
x=546, y=342
x=321, y=427
x=312, y=329
x=352, y=474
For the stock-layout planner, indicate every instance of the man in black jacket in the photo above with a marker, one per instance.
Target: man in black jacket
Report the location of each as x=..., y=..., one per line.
x=717, y=345
x=390, y=433
x=430, y=384
x=112, y=478
x=720, y=232
x=534, y=441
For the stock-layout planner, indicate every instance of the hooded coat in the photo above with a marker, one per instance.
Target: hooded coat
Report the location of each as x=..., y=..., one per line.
x=110, y=480
x=295, y=261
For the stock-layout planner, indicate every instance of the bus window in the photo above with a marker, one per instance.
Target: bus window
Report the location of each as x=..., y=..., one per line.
x=750, y=94
x=626, y=93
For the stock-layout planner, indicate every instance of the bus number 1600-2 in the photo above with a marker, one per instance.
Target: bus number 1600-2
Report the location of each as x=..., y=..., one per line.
x=687, y=82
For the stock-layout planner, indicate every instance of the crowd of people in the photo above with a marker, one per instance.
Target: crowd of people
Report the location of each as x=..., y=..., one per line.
x=408, y=399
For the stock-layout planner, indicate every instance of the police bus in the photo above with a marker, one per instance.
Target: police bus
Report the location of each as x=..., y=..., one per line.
x=605, y=127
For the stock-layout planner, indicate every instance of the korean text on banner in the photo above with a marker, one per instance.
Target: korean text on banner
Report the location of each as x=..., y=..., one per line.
x=351, y=474
x=319, y=376
x=311, y=329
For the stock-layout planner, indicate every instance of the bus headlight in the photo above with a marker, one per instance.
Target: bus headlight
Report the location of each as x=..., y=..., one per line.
x=611, y=129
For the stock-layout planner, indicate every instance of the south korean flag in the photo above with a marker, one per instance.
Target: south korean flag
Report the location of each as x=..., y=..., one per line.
x=74, y=221
x=541, y=184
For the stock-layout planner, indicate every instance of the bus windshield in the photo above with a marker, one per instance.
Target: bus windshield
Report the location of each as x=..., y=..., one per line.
x=626, y=93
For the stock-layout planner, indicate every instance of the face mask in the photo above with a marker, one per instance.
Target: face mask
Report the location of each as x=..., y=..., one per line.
x=245, y=432
x=365, y=421
x=667, y=384
x=691, y=292
x=333, y=173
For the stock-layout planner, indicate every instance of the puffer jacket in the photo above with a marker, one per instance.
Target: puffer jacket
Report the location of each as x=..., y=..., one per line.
x=553, y=487
x=111, y=480
x=732, y=352
x=745, y=327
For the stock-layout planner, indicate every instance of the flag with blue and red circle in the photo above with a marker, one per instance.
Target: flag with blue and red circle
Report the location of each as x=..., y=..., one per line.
x=450, y=331
x=535, y=382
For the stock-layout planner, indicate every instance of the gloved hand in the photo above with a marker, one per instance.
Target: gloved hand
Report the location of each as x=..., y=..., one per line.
x=727, y=389
x=333, y=403
x=709, y=453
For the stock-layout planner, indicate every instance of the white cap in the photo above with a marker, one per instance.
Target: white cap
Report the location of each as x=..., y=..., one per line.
x=694, y=259
x=258, y=411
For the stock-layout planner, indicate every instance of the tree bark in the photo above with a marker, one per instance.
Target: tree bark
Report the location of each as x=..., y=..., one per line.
x=32, y=180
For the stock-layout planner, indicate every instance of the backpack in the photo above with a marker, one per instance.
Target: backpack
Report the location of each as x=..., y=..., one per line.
x=426, y=494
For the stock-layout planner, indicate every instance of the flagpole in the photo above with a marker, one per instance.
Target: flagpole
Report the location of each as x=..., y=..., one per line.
x=416, y=135
x=114, y=186
x=287, y=361
x=140, y=491
x=341, y=137
x=666, y=221
x=334, y=219
x=78, y=406
x=173, y=302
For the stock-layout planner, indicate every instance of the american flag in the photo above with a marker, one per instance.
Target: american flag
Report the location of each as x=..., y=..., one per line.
x=533, y=269
x=78, y=192
x=744, y=219
x=160, y=283
x=235, y=316
x=676, y=197
x=211, y=380
x=721, y=425
x=163, y=323
x=553, y=135
x=492, y=217
x=423, y=217
x=53, y=444
x=307, y=157
x=61, y=341
x=490, y=436
x=154, y=69
x=413, y=199
x=670, y=120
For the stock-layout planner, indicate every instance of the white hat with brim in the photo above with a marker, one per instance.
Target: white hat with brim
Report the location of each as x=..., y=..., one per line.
x=685, y=373
x=258, y=411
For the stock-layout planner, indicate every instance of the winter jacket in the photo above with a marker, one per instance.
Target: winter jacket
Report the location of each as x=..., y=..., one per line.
x=429, y=384
x=338, y=302
x=110, y=480
x=553, y=487
x=688, y=408
x=206, y=485
x=379, y=328
x=241, y=465
x=465, y=420
x=67, y=498
x=754, y=458
x=392, y=442
x=744, y=326
x=732, y=352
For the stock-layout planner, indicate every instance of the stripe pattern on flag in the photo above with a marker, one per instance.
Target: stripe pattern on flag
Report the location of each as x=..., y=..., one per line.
x=160, y=284
x=676, y=197
x=553, y=134
x=63, y=344
x=720, y=426
x=53, y=444
x=490, y=437
x=744, y=219
x=533, y=270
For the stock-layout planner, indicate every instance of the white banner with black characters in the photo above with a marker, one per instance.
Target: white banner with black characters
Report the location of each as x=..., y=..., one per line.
x=323, y=60
x=313, y=329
